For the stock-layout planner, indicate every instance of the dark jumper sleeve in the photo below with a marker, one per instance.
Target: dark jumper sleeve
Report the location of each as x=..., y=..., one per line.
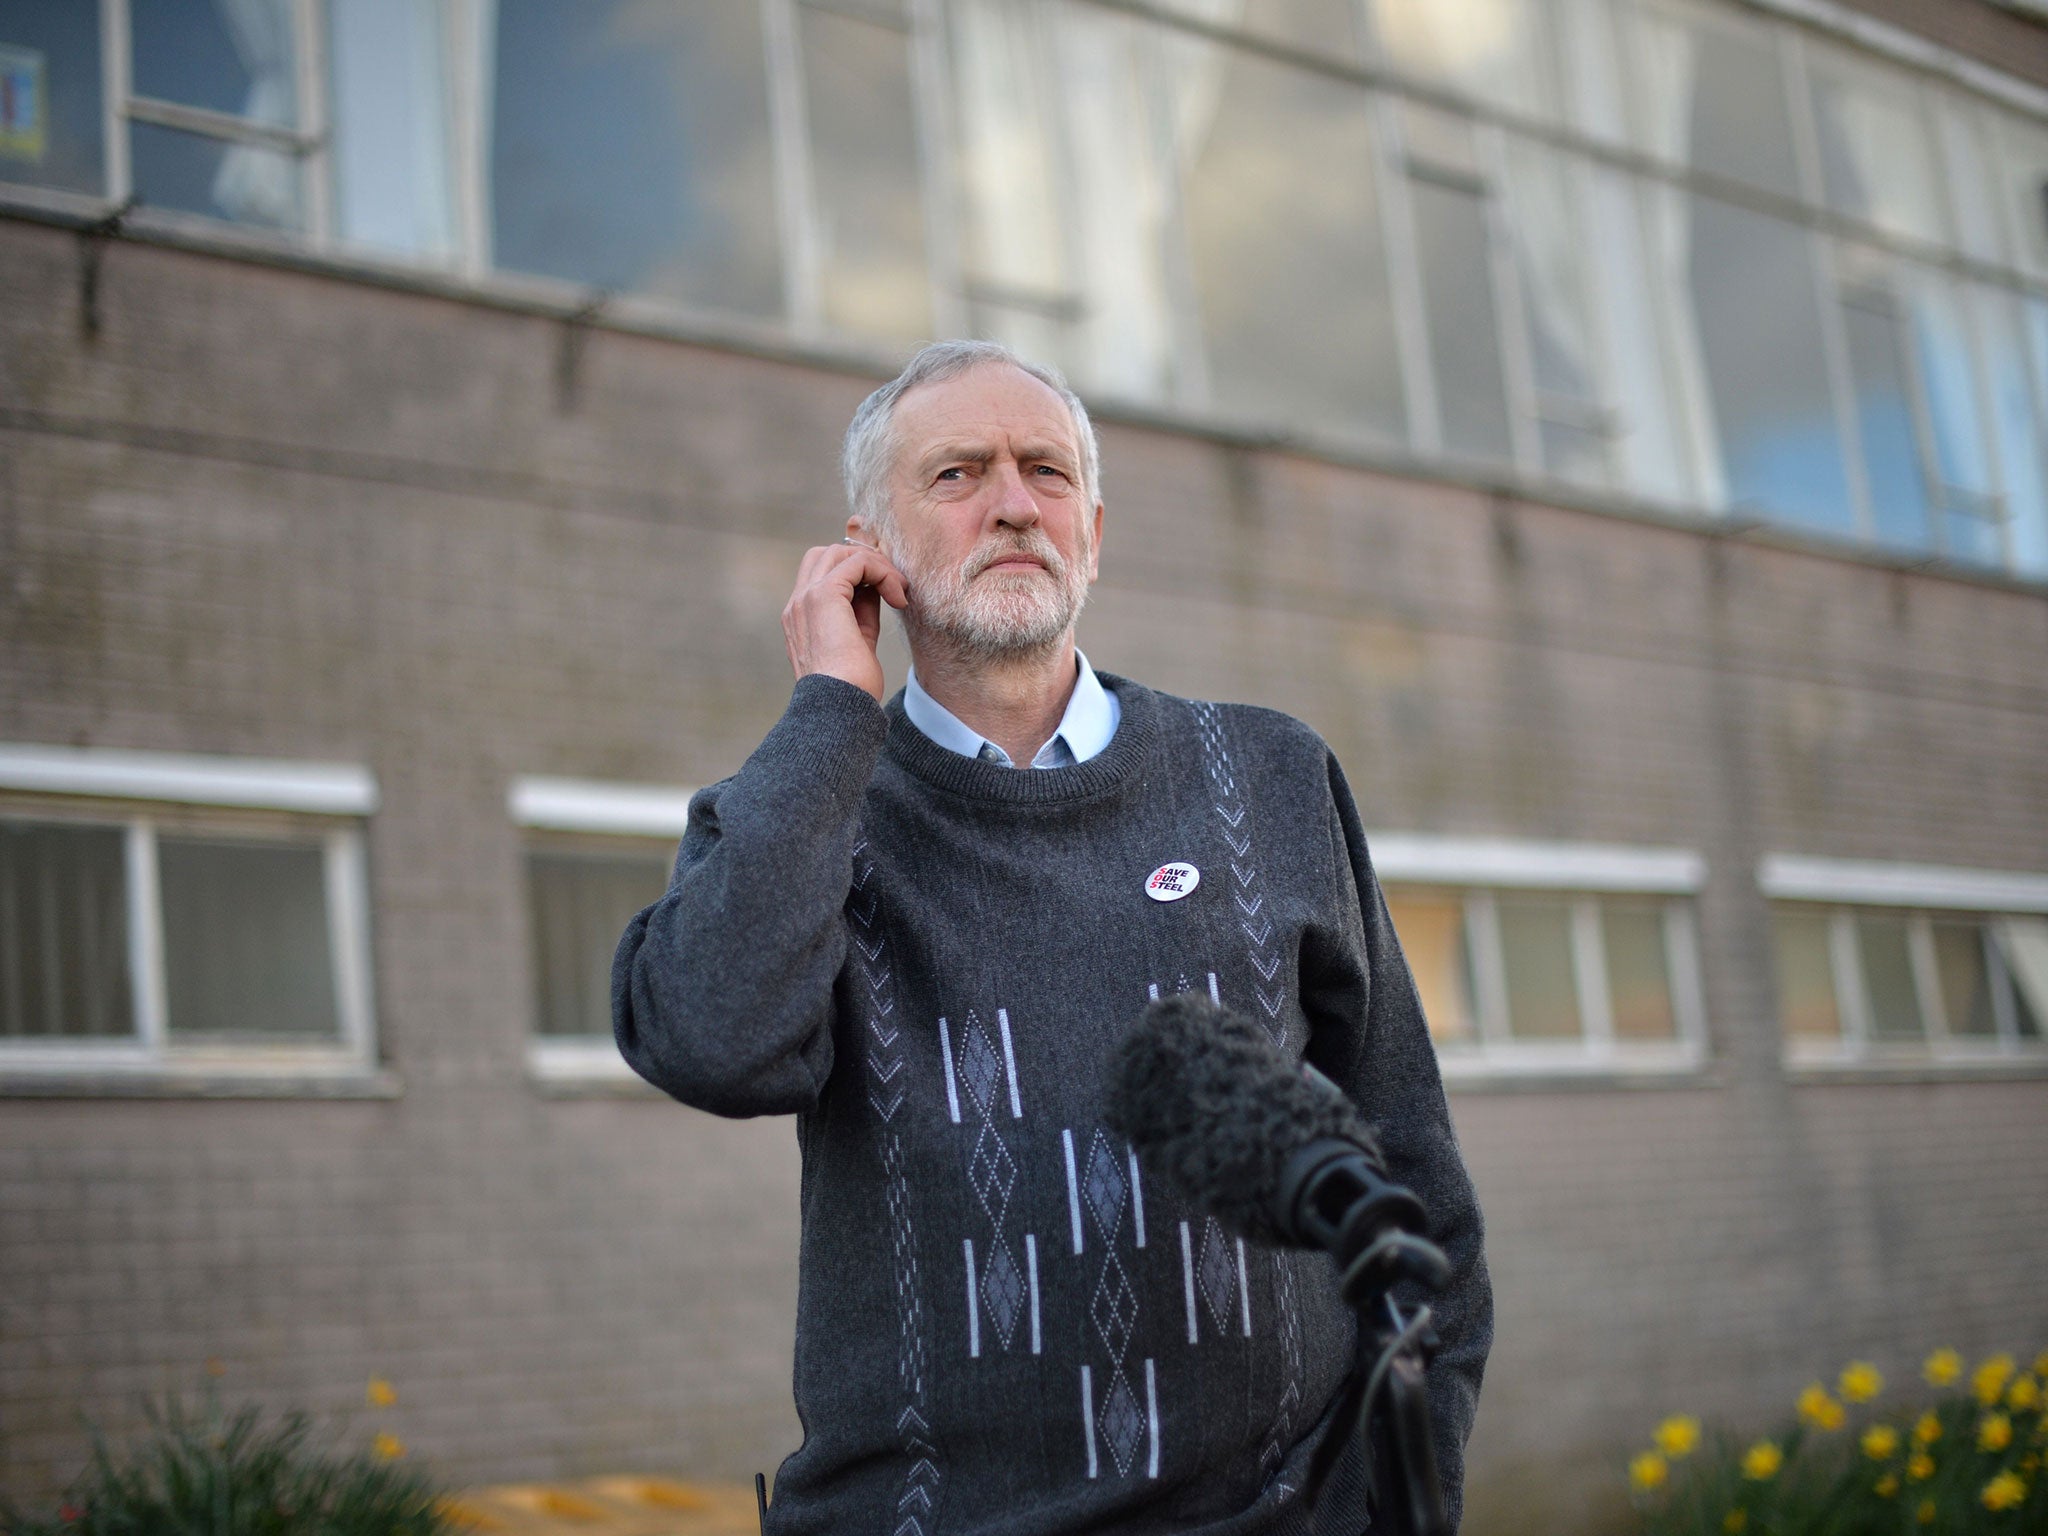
x=722, y=989
x=1369, y=1035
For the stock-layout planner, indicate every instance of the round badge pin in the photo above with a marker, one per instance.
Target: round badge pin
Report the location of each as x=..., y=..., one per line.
x=1170, y=882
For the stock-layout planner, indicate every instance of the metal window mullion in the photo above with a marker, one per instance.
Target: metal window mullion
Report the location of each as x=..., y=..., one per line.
x=219, y=125
x=1404, y=280
x=1489, y=969
x=1934, y=1022
x=466, y=51
x=146, y=936
x=316, y=124
x=795, y=189
x=1682, y=968
x=116, y=74
x=1852, y=1000
x=348, y=930
x=1589, y=970
x=931, y=113
x=1510, y=318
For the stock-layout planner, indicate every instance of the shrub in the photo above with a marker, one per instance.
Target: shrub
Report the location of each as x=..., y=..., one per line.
x=219, y=1474
x=1965, y=1462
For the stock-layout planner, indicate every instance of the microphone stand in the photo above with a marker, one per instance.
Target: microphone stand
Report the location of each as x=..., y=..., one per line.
x=1344, y=1203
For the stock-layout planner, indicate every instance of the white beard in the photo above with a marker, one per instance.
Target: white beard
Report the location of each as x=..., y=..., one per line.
x=1000, y=616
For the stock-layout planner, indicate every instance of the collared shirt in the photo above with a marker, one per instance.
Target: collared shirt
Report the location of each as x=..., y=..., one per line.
x=1085, y=729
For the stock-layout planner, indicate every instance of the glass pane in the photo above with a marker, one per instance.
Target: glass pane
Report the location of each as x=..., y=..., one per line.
x=1965, y=980
x=1284, y=229
x=63, y=933
x=1549, y=246
x=865, y=169
x=579, y=904
x=1638, y=977
x=1881, y=944
x=1941, y=337
x=197, y=174
x=2023, y=949
x=1589, y=49
x=1452, y=248
x=1712, y=94
x=1536, y=948
x=246, y=948
x=1431, y=926
x=50, y=113
x=1754, y=323
x=1021, y=286
x=1806, y=975
x=1876, y=159
x=2023, y=156
x=2019, y=425
x=1328, y=27
x=1646, y=413
x=1492, y=48
x=390, y=153
x=226, y=55
x=1967, y=168
x=1121, y=191
x=1901, y=512
x=630, y=150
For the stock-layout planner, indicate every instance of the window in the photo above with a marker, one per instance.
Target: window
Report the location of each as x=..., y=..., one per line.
x=1531, y=956
x=595, y=854
x=52, y=125
x=165, y=917
x=1897, y=963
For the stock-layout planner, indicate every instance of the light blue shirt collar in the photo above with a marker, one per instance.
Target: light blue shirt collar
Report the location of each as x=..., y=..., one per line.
x=1085, y=729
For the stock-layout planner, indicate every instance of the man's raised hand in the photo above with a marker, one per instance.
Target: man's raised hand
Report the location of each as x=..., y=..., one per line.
x=834, y=616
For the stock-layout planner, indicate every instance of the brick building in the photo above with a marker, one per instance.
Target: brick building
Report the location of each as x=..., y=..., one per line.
x=1617, y=427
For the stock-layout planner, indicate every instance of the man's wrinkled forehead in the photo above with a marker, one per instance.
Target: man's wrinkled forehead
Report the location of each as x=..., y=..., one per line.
x=982, y=414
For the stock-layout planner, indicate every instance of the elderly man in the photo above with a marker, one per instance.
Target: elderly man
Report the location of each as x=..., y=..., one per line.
x=920, y=926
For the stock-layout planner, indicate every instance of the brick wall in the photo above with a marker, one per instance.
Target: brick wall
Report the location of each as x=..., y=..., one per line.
x=274, y=513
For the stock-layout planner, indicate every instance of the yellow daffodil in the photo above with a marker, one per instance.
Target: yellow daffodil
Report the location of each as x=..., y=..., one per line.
x=2003, y=1492
x=380, y=1394
x=1994, y=1432
x=1648, y=1471
x=1888, y=1485
x=1818, y=1409
x=1927, y=1428
x=1860, y=1382
x=1879, y=1441
x=2024, y=1394
x=1761, y=1461
x=388, y=1446
x=1925, y=1513
x=1989, y=1379
x=1678, y=1436
x=1735, y=1521
x=1919, y=1466
x=1943, y=1368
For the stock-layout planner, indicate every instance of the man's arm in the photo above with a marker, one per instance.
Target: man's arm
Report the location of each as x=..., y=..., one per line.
x=722, y=990
x=1371, y=1038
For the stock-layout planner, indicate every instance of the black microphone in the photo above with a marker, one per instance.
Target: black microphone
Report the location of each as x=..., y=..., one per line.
x=1270, y=1147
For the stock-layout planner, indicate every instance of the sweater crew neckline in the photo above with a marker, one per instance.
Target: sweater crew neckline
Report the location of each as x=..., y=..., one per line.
x=1108, y=770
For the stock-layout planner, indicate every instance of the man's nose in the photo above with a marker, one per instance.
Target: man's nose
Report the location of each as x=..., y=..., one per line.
x=1014, y=505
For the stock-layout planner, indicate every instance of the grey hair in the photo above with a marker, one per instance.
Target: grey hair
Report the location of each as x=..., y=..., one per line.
x=870, y=449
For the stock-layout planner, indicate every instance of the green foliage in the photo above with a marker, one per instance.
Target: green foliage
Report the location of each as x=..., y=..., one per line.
x=219, y=1474
x=1968, y=1462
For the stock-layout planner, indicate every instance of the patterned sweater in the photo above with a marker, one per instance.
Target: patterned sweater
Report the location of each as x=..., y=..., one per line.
x=1002, y=1327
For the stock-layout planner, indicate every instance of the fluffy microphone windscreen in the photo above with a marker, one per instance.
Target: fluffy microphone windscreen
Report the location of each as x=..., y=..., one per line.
x=1214, y=1110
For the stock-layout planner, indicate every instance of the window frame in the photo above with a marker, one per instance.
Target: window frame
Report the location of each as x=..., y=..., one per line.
x=1477, y=870
x=148, y=795
x=1843, y=890
x=590, y=808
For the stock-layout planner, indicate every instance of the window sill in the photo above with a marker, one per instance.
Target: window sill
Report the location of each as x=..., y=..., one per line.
x=212, y=1079
x=1532, y=1071
x=1949, y=1067
x=565, y=1069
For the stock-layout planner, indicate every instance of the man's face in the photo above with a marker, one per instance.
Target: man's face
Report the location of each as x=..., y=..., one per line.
x=993, y=534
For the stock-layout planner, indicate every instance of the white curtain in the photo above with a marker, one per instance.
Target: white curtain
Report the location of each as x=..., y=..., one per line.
x=390, y=141
x=255, y=185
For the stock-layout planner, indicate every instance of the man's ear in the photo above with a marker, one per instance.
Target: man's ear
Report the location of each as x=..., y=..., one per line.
x=857, y=531
x=1095, y=546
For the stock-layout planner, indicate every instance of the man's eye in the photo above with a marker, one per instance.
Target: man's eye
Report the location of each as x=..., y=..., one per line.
x=953, y=473
x=1050, y=469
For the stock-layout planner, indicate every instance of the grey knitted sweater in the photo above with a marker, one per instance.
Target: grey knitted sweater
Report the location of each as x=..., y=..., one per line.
x=1002, y=1326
